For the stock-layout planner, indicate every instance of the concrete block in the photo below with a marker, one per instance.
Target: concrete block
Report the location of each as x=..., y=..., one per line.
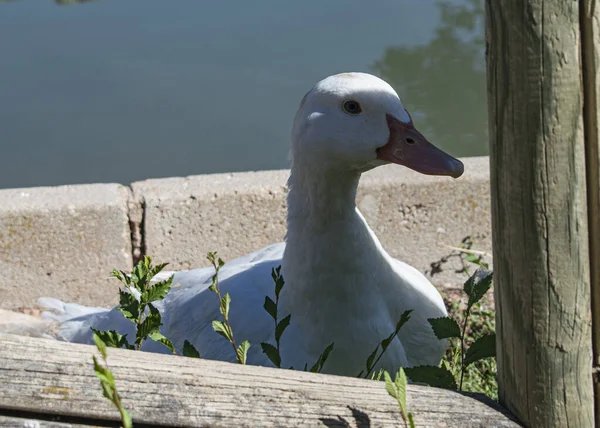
x=233, y=214
x=415, y=216
x=412, y=214
x=63, y=242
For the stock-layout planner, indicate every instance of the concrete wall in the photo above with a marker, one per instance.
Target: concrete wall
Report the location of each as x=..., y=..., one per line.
x=64, y=241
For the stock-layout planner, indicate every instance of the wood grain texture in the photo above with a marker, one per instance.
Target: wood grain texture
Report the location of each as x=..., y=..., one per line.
x=41, y=376
x=18, y=422
x=539, y=212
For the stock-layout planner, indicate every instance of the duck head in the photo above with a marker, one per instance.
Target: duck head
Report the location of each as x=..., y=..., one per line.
x=356, y=121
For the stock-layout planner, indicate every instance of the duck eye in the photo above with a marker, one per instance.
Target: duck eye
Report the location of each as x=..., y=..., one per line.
x=352, y=107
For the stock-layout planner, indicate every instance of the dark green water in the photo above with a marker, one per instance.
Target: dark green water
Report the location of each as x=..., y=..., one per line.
x=123, y=90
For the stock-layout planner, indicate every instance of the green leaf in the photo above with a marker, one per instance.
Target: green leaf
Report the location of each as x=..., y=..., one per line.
x=150, y=325
x=211, y=256
x=139, y=273
x=404, y=318
x=371, y=359
x=484, y=347
x=100, y=344
x=242, y=351
x=272, y=353
x=318, y=366
x=221, y=328
x=158, y=337
x=477, y=285
x=112, y=339
x=475, y=259
x=158, y=291
x=386, y=342
x=189, y=350
x=278, y=279
x=389, y=385
x=154, y=270
x=400, y=381
x=444, y=327
x=128, y=305
x=411, y=420
x=432, y=376
x=270, y=307
x=225, y=301
x=115, y=273
x=378, y=375
x=105, y=375
x=127, y=422
x=281, y=326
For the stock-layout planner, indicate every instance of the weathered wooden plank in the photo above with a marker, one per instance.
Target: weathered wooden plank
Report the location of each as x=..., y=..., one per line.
x=55, y=378
x=15, y=422
x=539, y=212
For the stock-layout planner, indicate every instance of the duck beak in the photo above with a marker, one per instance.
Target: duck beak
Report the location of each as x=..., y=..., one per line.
x=407, y=146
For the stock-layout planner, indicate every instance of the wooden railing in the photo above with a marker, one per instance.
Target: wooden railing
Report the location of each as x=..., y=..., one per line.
x=49, y=382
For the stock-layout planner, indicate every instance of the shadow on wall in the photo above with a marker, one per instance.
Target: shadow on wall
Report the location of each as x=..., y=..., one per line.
x=444, y=82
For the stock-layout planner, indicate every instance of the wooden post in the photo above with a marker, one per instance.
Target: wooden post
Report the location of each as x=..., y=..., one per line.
x=539, y=138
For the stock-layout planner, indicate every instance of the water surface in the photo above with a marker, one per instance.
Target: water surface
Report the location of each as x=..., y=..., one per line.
x=123, y=90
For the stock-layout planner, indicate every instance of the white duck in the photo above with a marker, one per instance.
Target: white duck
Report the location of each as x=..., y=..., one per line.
x=341, y=285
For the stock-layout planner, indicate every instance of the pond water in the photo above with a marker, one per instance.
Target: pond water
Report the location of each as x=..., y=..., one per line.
x=118, y=91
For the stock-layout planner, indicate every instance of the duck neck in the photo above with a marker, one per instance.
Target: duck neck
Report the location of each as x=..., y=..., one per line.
x=328, y=245
x=320, y=198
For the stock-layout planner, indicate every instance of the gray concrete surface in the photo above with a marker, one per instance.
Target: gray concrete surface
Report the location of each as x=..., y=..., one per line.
x=64, y=241
x=233, y=214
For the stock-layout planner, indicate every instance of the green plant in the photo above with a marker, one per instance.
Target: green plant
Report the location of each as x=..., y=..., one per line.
x=397, y=389
x=373, y=358
x=223, y=327
x=484, y=346
x=317, y=367
x=469, y=255
x=465, y=254
x=135, y=303
x=272, y=307
x=481, y=375
x=107, y=382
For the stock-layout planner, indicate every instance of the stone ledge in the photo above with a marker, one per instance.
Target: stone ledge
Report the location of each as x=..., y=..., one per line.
x=412, y=214
x=64, y=241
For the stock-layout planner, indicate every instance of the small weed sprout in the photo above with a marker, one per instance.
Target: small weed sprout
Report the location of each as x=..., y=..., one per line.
x=317, y=367
x=223, y=327
x=397, y=389
x=374, y=358
x=107, y=382
x=272, y=307
x=135, y=303
x=447, y=328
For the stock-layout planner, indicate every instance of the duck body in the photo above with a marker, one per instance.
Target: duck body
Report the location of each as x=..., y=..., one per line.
x=354, y=322
x=341, y=286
